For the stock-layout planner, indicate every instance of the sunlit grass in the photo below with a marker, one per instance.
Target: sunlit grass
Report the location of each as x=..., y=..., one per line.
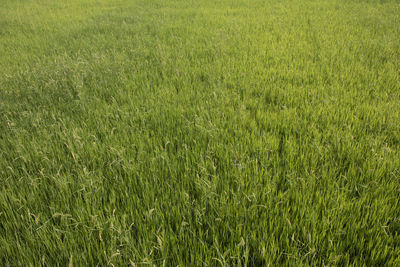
x=199, y=132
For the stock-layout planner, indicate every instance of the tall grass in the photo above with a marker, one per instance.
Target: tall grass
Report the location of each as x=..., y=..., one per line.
x=240, y=132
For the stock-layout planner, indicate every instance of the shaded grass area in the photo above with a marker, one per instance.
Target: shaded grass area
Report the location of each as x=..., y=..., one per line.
x=199, y=132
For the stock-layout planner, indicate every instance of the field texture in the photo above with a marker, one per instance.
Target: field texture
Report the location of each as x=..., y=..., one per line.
x=199, y=133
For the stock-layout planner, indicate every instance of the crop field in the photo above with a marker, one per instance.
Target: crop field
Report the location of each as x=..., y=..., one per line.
x=199, y=133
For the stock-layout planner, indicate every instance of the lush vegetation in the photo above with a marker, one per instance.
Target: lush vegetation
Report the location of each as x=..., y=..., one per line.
x=231, y=132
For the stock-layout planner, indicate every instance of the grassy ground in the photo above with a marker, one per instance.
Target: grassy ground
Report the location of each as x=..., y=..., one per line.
x=232, y=132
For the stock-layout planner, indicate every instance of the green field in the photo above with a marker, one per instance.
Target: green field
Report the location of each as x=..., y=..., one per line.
x=199, y=133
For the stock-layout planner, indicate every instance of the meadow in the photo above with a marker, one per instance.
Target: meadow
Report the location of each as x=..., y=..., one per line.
x=199, y=133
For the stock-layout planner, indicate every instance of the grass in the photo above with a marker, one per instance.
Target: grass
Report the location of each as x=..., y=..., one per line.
x=195, y=133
